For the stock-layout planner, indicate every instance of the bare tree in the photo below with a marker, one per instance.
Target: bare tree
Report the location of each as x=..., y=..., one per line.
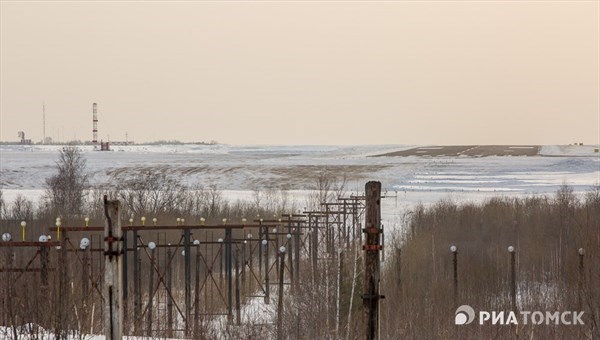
x=592, y=196
x=151, y=192
x=327, y=187
x=65, y=191
x=21, y=209
x=2, y=204
x=565, y=197
x=257, y=196
x=214, y=199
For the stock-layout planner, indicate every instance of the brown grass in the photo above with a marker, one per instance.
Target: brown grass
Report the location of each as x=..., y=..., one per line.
x=546, y=232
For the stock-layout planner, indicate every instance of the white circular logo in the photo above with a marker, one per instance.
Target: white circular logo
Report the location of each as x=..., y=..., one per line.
x=464, y=315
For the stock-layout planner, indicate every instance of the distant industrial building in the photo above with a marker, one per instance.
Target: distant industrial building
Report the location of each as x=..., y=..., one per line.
x=22, y=138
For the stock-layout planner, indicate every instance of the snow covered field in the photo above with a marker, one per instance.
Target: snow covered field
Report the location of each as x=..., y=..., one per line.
x=238, y=170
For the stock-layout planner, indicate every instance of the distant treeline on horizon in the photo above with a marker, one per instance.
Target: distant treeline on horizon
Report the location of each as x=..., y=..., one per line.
x=78, y=142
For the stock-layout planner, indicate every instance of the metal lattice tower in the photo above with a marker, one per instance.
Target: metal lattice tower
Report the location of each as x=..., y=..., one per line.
x=95, y=126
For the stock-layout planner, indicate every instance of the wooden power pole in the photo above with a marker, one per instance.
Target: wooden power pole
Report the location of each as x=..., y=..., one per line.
x=372, y=247
x=113, y=313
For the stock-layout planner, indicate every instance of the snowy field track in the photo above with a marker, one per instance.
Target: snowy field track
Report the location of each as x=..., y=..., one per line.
x=239, y=170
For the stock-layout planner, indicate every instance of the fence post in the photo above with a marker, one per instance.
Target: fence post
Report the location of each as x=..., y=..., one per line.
x=260, y=237
x=170, y=293
x=229, y=269
x=125, y=284
x=44, y=265
x=222, y=258
x=276, y=233
x=281, y=259
x=454, y=251
x=149, y=308
x=310, y=249
x=61, y=320
x=188, y=278
x=113, y=313
x=11, y=316
x=197, y=291
x=290, y=246
x=513, y=279
x=85, y=285
x=137, y=285
x=297, y=249
x=372, y=248
x=237, y=289
x=315, y=249
x=244, y=262
x=44, y=282
x=346, y=227
x=328, y=238
x=338, y=296
x=265, y=243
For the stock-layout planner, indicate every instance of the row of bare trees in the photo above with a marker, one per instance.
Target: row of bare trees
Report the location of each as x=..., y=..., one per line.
x=65, y=305
x=69, y=195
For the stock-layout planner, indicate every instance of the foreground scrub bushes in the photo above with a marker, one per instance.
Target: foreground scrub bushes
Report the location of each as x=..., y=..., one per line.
x=546, y=232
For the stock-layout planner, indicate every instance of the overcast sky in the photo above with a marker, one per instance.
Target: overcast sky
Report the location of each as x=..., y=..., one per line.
x=303, y=72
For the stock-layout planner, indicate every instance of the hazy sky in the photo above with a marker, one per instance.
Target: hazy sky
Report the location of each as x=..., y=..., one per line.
x=303, y=72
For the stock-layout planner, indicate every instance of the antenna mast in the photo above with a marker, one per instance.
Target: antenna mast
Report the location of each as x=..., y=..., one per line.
x=44, y=122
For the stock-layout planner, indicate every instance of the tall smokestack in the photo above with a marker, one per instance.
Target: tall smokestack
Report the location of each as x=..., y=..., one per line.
x=95, y=126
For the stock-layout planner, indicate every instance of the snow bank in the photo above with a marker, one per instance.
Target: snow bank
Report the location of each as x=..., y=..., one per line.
x=569, y=150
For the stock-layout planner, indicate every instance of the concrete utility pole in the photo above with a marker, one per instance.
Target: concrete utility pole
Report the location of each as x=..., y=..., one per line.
x=113, y=314
x=372, y=247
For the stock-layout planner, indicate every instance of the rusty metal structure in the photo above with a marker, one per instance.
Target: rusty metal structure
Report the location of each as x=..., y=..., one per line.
x=176, y=278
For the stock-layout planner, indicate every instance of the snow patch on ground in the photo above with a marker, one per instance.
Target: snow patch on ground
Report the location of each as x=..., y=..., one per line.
x=569, y=150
